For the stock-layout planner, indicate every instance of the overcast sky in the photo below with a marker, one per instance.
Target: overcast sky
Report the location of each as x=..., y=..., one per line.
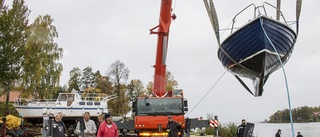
x=96, y=33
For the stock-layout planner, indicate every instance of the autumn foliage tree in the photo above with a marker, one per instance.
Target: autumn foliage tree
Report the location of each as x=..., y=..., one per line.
x=171, y=83
x=28, y=53
x=41, y=75
x=103, y=83
x=135, y=89
x=118, y=74
x=87, y=79
x=74, y=80
x=13, y=37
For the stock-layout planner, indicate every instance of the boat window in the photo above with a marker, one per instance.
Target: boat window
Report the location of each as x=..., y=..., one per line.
x=97, y=103
x=70, y=99
x=82, y=103
x=70, y=96
x=89, y=103
x=62, y=97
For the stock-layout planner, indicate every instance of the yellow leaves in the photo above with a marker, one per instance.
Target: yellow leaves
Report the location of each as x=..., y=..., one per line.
x=92, y=89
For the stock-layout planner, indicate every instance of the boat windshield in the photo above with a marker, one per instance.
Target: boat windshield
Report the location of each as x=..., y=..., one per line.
x=65, y=97
x=160, y=106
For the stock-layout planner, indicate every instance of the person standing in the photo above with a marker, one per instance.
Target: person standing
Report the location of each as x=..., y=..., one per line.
x=89, y=128
x=173, y=127
x=100, y=120
x=58, y=126
x=187, y=128
x=278, y=134
x=299, y=135
x=241, y=128
x=108, y=128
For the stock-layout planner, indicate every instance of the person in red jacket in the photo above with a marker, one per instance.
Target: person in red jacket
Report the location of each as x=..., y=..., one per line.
x=108, y=128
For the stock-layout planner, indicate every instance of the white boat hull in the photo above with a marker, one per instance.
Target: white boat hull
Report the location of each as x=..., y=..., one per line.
x=40, y=111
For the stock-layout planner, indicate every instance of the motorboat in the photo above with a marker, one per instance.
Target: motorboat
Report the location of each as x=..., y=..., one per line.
x=72, y=105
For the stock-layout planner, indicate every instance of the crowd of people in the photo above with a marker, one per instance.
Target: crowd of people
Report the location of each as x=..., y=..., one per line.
x=86, y=127
x=105, y=127
x=278, y=134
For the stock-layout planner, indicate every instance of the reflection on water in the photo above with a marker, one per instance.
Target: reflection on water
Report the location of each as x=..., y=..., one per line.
x=269, y=130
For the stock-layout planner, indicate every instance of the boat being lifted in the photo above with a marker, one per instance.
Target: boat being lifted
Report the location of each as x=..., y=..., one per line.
x=258, y=48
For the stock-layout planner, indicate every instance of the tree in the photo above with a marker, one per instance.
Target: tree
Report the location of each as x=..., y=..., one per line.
x=135, y=89
x=149, y=87
x=87, y=79
x=171, y=83
x=103, y=83
x=1, y=5
x=300, y=114
x=13, y=25
x=61, y=89
x=41, y=75
x=74, y=81
x=118, y=74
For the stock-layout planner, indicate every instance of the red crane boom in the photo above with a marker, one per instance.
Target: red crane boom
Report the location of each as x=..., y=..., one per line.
x=159, y=85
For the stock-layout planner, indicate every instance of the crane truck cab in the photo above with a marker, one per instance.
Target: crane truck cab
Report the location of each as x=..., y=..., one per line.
x=151, y=113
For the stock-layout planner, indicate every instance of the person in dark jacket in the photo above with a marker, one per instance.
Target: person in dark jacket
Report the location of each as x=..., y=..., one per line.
x=241, y=128
x=173, y=127
x=299, y=135
x=187, y=128
x=278, y=134
x=58, y=126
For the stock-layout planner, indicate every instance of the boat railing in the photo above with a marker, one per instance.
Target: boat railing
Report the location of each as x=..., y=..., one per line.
x=110, y=97
x=234, y=18
x=93, y=96
x=278, y=11
x=255, y=14
x=37, y=102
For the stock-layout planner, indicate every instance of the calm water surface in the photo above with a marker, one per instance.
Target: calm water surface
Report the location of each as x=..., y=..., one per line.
x=269, y=130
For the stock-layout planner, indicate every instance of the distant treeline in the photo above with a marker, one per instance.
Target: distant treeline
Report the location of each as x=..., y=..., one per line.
x=300, y=114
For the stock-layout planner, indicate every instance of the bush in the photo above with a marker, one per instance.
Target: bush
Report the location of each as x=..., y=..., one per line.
x=229, y=130
x=11, y=108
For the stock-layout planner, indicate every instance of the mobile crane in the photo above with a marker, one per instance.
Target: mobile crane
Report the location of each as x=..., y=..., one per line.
x=151, y=111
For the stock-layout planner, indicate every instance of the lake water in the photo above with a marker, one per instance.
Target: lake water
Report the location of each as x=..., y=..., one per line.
x=269, y=130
